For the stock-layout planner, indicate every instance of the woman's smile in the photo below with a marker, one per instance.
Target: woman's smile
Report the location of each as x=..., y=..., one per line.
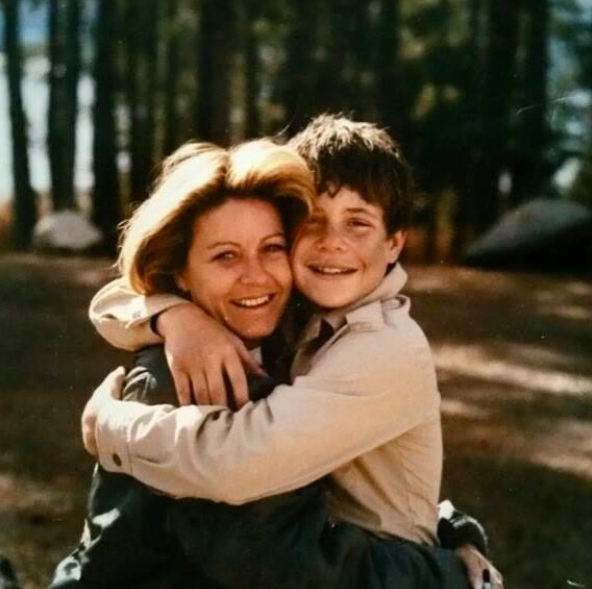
x=253, y=302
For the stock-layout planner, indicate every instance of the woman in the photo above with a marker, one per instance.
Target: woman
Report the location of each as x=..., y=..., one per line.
x=186, y=239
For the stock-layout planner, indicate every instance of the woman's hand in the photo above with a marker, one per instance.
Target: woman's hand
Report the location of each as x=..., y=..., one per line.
x=200, y=351
x=108, y=390
x=475, y=564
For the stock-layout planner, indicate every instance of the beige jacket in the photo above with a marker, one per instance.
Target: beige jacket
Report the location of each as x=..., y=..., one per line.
x=366, y=412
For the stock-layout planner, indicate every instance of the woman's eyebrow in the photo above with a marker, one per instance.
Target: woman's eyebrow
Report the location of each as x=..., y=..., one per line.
x=222, y=243
x=277, y=234
x=234, y=244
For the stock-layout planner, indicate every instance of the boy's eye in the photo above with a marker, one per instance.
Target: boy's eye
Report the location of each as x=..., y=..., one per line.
x=359, y=223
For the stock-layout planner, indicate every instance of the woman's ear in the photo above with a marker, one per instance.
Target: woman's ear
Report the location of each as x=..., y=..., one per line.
x=396, y=242
x=181, y=282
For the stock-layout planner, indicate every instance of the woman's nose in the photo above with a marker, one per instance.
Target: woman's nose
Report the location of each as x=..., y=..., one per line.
x=254, y=271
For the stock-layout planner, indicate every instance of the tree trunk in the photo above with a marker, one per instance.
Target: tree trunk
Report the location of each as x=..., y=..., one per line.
x=297, y=83
x=64, y=59
x=530, y=174
x=24, y=196
x=216, y=31
x=171, y=59
x=106, y=192
x=141, y=77
x=390, y=98
x=72, y=63
x=55, y=149
x=466, y=189
x=252, y=69
x=497, y=106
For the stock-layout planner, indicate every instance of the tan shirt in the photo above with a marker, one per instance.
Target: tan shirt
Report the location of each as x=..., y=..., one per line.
x=366, y=412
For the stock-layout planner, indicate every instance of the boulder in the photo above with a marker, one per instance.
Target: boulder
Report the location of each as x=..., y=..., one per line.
x=65, y=231
x=540, y=232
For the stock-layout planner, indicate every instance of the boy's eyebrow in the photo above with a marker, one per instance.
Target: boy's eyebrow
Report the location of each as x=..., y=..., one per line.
x=360, y=210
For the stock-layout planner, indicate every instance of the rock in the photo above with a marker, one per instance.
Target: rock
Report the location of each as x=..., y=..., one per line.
x=552, y=232
x=65, y=231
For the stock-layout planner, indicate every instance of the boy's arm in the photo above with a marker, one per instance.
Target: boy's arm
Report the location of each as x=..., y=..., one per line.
x=200, y=351
x=355, y=399
x=123, y=317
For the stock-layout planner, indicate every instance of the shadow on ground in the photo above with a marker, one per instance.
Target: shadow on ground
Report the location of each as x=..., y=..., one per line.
x=514, y=357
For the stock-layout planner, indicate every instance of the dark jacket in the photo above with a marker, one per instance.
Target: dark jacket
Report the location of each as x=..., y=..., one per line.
x=136, y=538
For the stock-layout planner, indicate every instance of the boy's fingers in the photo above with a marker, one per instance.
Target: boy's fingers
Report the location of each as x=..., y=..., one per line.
x=250, y=363
x=238, y=381
x=216, y=387
x=182, y=387
x=199, y=390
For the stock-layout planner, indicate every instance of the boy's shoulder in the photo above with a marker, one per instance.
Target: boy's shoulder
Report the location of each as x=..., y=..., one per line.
x=379, y=325
x=378, y=315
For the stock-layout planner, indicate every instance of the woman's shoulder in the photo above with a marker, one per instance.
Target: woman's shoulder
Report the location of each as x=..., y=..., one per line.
x=150, y=380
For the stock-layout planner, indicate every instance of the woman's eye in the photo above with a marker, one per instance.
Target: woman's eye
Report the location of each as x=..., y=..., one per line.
x=275, y=247
x=225, y=256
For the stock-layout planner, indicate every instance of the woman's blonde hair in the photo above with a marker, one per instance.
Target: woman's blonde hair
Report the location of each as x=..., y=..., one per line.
x=196, y=178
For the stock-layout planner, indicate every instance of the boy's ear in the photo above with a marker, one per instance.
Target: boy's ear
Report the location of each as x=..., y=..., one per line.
x=396, y=242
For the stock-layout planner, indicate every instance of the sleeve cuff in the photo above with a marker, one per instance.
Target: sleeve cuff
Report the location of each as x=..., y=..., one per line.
x=112, y=435
x=143, y=308
x=456, y=528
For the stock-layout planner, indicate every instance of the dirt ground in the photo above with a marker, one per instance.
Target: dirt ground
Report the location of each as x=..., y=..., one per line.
x=514, y=353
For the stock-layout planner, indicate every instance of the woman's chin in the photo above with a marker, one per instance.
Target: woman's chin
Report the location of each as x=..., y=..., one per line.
x=253, y=333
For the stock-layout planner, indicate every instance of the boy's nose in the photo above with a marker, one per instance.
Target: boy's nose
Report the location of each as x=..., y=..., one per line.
x=331, y=238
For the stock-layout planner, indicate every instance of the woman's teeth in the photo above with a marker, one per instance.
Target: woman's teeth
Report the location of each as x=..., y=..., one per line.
x=253, y=302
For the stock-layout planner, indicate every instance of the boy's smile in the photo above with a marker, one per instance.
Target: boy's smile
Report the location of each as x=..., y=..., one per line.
x=341, y=252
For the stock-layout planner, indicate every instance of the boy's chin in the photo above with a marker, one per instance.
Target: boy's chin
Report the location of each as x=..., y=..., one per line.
x=330, y=301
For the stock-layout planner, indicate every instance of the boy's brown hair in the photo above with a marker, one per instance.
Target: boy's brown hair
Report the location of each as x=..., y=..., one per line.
x=341, y=152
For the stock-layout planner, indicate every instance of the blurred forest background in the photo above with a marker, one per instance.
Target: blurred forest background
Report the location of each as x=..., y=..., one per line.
x=489, y=98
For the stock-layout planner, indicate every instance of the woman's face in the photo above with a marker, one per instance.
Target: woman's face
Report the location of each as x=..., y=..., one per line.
x=237, y=267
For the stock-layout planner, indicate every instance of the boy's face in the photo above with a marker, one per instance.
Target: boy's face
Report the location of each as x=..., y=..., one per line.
x=342, y=250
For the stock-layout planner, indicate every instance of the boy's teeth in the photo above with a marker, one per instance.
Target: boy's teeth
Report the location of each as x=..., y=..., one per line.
x=331, y=270
x=255, y=302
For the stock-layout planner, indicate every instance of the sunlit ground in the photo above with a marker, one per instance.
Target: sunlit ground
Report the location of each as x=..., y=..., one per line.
x=514, y=354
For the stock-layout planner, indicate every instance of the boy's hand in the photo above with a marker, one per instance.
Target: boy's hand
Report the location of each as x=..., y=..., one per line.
x=475, y=564
x=108, y=390
x=200, y=351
